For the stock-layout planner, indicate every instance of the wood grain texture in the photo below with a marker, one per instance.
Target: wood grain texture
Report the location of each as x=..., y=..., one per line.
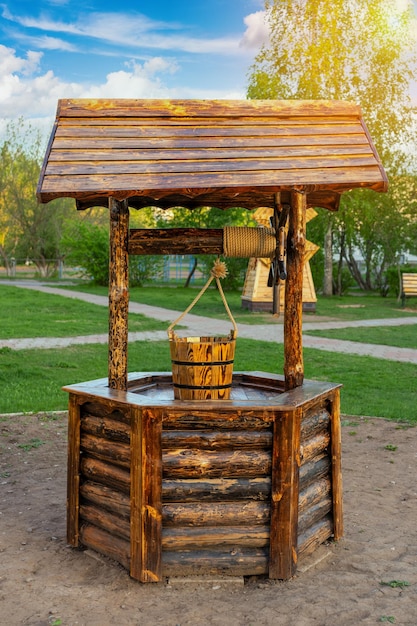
x=118, y=294
x=73, y=471
x=146, y=501
x=246, y=149
x=296, y=238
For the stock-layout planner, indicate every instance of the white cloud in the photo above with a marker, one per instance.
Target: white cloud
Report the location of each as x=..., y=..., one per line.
x=26, y=91
x=130, y=30
x=47, y=43
x=257, y=31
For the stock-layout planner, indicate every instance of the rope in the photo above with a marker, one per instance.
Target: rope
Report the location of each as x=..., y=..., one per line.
x=245, y=241
x=219, y=269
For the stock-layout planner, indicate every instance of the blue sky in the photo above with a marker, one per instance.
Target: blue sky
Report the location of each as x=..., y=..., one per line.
x=54, y=49
x=51, y=49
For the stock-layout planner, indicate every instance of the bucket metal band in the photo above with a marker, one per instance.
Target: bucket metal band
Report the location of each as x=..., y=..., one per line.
x=202, y=363
x=202, y=386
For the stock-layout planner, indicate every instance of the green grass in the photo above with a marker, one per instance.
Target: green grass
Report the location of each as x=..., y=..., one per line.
x=31, y=380
x=399, y=336
x=29, y=313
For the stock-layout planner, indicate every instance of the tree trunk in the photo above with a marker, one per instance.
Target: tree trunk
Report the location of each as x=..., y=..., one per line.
x=328, y=259
x=191, y=274
x=339, y=281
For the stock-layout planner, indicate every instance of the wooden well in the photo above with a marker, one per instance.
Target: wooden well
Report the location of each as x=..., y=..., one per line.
x=248, y=485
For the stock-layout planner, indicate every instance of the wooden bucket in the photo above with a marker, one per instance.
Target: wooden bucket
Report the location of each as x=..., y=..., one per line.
x=202, y=367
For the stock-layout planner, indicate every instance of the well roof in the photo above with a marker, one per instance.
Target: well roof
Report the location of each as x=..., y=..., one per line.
x=207, y=152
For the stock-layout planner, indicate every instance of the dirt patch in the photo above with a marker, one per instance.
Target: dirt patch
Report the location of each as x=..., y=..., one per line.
x=369, y=577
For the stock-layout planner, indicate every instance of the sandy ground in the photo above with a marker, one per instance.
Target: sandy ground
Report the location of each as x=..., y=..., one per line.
x=369, y=577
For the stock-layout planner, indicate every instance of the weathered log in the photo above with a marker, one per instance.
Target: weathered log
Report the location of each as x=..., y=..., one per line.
x=146, y=511
x=106, y=498
x=293, y=353
x=204, y=562
x=215, y=537
x=216, y=489
x=314, y=536
x=204, y=440
x=314, y=514
x=216, y=513
x=106, y=427
x=284, y=495
x=106, y=409
x=113, y=524
x=314, y=493
x=241, y=419
x=118, y=293
x=314, y=446
x=185, y=463
x=315, y=421
x=104, y=473
x=336, y=457
x=176, y=241
x=314, y=470
x=101, y=541
x=115, y=452
x=73, y=471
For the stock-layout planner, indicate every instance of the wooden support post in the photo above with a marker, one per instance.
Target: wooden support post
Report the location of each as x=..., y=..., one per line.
x=118, y=293
x=73, y=472
x=146, y=496
x=336, y=456
x=293, y=349
x=284, y=496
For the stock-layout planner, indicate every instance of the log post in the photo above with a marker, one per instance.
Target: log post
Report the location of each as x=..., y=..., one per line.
x=118, y=293
x=336, y=456
x=284, y=495
x=73, y=472
x=293, y=350
x=146, y=496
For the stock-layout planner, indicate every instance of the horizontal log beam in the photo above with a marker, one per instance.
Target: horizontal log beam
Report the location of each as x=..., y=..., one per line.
x=206, y=440
x=101, y=541
x=235, y=241
x=185, y=463
x=215, y=537
x=106, y=498
x=105, y=474
x=241, y=563
x=216, y=489
x=195, y=514
x=175, y=241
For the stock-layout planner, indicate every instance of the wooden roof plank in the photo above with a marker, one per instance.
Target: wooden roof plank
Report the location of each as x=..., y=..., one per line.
x=142, y=169
x=78, y=156
x=204, y=108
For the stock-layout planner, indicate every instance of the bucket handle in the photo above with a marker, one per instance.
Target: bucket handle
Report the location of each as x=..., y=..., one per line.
x=213, y=276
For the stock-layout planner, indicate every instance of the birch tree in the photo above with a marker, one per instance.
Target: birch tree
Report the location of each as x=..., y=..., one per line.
x=346, y=50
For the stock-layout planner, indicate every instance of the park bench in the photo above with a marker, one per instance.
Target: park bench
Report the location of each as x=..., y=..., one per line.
x=408, y=286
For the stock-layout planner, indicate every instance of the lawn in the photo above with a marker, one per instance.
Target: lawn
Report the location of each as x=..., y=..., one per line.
x=29, y=313
x=31, y=380
x=398, y=336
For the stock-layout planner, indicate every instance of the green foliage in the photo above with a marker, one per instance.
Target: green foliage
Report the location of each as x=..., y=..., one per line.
x=143, y=269
x=395, y=584
x=88, y=247
x=28, y=229
x=313, y=53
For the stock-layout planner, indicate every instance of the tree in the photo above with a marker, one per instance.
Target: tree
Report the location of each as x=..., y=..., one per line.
x=351, y=50
x=28, y=229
